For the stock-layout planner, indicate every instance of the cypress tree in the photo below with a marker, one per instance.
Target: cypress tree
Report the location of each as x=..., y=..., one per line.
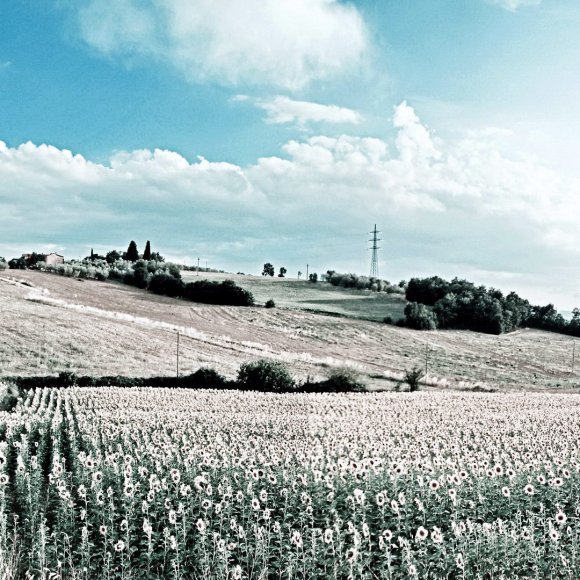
x=147, y=252
x=132, y=253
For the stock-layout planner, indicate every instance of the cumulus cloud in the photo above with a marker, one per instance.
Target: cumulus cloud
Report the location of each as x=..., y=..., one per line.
x=513, y=5
x=281, y=110
x=445, y=207
x=274, y=42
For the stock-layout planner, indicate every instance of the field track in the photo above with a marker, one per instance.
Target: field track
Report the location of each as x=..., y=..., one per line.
x=51, y=323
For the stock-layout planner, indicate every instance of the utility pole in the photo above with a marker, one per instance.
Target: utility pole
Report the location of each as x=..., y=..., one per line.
x=198, y=266
x=177, y=366
x=307, y=271
x=375, y=248
x=573, y=356
x=206, y=265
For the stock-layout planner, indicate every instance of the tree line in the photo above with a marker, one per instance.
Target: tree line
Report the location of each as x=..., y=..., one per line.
x=438, y=303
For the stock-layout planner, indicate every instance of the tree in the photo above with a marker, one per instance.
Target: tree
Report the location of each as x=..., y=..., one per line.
x=419, y=317
x=299, y=274
x=157, y=257
x=132, y=254
x=268, y=269
x=113, y=256
x=313, y=278
x=282, y=272
x=147, y=252
x=413, y=378
x=266, y=376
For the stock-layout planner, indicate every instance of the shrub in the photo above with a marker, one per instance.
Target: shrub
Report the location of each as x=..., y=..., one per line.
x=270, y=304
x=8, y=396
x=206, y=378
x=166, y=284
x=419, y=317
x=413, y=378
x=67, y=379
x=265, y=375
x=226, y=293
x=344, y=380
x=388, y=320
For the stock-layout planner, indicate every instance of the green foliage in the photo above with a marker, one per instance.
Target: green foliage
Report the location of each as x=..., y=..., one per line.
x=67, y=379
x=413, y=378
x=313, y=277
x=270, y=304
x=462, y=304
x=225, y=293
x=17, y=264
x=141, y=275
x=361, y=282
x=113, y=256
x=3, y=264
x=166, y=284
x=157, y=257
x=132, y=254
x=265, y=375
x=344, y=380
x=282, y=272
x=268, y=269
x=8, y=396
x=419, y=317
x=207, y=378
x=147, y=252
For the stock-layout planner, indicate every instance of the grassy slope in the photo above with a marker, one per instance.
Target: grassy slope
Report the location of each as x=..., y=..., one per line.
x=106, y=328
x=319, y=297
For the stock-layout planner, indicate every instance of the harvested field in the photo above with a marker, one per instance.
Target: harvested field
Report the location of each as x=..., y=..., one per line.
x=51, y=324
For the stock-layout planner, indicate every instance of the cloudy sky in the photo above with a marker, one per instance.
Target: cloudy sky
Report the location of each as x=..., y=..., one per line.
x=283, y=130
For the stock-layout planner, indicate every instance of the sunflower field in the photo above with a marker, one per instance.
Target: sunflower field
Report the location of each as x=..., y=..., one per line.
x=169, y=483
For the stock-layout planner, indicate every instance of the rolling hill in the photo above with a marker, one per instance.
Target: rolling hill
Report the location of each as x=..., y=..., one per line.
x=51, y=324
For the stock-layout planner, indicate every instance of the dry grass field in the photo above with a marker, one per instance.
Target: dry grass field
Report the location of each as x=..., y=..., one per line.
x=318, y=298
x=50, y=324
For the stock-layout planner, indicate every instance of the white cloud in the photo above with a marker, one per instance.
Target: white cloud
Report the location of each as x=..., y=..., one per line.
x=513, y=5
x=445, y=207
x=275, y=42
x=282, y=110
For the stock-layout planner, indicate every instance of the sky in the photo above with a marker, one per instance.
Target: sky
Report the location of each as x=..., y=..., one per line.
x=282, y=131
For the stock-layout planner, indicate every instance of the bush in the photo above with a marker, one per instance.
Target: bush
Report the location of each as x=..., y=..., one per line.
x=8, y=396
x=270, y=304
x=344, y=380
x=225, y=293
x=419, y=317
x=413, y=378
x=67, y=379
x=206, y=378
x=166, y=284
x=265, y=375
x=388, y=320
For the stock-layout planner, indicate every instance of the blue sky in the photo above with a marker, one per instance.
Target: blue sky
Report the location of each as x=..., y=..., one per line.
x=283, y=131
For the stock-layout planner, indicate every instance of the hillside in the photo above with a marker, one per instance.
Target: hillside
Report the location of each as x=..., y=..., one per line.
x=318, y=297
x=50, y=324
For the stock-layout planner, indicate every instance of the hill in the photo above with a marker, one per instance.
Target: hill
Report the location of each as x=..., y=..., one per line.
x=319, y=297
x=51, y=324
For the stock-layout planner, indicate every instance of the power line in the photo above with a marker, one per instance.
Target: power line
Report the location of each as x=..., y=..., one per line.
x=375, y=248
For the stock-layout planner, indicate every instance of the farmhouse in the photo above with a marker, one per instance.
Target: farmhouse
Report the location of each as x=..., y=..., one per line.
x=51, y=258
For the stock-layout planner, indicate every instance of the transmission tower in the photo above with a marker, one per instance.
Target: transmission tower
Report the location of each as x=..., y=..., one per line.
x=375, y=248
